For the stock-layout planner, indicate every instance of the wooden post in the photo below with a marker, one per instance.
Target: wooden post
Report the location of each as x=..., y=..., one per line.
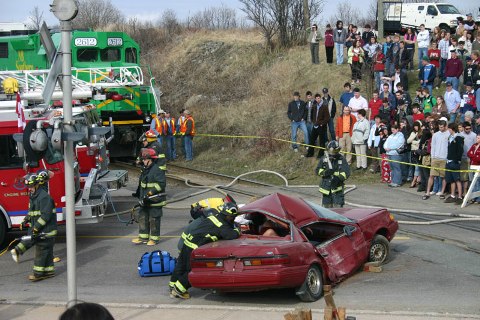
x=299, y=314
x=328, y=313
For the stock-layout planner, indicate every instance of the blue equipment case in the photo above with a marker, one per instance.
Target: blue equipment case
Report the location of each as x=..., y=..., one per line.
x=156, y=263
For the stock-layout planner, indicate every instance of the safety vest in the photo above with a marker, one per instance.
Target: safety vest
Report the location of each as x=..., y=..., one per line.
x=158, y=125
x=165, y=127
x=182, y=125
x=192, y=132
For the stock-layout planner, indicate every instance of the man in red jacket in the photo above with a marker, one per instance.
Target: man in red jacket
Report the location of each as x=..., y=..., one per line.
x=454, y=69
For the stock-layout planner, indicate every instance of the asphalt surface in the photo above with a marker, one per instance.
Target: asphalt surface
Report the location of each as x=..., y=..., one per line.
x=431, y=274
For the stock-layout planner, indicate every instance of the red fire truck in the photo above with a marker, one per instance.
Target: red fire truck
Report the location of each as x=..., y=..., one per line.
x=38, y=148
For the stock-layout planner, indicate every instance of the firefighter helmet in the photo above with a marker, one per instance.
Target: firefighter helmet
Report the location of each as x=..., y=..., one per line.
x=43, y=176
x=148, y=153
x=150, y=134
x=333, y=147
x=30, y=179
x=229, y=209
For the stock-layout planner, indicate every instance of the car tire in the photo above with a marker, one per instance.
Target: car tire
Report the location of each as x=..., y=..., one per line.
x=312, y=288
x=379, y=249
x=3, y=231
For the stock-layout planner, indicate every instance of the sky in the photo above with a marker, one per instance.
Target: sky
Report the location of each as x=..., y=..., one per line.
x=18, y=11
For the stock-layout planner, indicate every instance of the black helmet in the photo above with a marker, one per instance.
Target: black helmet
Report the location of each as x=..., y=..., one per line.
x=30, y=179
x=229, y=209
x=42, y=176
x=333, y=147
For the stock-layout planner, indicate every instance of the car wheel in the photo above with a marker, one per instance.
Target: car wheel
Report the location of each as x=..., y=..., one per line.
x=3, y=231
x=312, y=288
x=379, y=249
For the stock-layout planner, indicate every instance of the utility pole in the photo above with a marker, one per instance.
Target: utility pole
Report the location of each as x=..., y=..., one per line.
x=65, y=11
x=380, y=18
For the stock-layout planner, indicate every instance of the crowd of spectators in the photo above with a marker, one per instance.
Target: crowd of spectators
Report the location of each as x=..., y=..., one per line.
x=440, y=130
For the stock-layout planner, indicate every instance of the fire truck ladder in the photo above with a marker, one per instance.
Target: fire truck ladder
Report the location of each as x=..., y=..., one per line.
x=84, y=80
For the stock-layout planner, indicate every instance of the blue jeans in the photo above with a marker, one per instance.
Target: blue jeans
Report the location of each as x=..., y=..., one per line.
x=437, y=184
x=188, y=148
x=455, y=82
x=171, y=153
x=429, y=87
x=339, y=51
x=453, y=116
x=443, y=63
x=421, y=53
x=309, y=129
x=295, y=126
x=331, y=128
x=378, y=82
x=396, y=169
x=477, y=99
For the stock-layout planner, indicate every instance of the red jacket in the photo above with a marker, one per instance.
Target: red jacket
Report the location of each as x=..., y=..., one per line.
x=329, y=38
x=454, y=68
x=474, y=154
x=374, y=107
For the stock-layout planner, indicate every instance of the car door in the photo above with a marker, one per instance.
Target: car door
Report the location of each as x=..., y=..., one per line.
x=345, y=252
x=432, y=18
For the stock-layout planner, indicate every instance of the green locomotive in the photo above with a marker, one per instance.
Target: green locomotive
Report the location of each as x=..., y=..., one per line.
x=105, y=66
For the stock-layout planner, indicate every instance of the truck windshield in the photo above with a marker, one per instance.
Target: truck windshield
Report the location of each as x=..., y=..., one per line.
x=447, y=9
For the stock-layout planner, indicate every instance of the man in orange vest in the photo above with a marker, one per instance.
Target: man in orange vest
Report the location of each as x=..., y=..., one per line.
x=189, y=130
x=156, y=126
x=169, y=131
x=180, y=127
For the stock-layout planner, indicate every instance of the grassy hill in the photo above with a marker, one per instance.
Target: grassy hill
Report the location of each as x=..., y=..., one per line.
x=233, y=87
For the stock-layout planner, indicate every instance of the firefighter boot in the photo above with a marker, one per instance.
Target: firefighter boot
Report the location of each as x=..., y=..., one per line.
x=15, y=255
x=152, y=242
x=139, y=241
x=176, y=293
x=38, y=277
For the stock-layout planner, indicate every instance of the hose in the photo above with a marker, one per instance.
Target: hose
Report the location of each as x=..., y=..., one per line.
x=8, y=247
x=348, y=188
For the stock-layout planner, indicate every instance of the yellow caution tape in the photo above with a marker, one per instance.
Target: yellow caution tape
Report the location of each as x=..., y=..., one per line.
x=316, y=147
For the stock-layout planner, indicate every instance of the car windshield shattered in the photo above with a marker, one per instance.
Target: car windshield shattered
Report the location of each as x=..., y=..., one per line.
x=327, y=214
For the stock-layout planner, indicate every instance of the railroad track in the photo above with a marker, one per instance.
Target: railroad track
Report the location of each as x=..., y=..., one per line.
x=175, y=171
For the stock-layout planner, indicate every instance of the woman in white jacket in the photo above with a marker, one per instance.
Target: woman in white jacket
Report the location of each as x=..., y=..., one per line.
x=361, y=130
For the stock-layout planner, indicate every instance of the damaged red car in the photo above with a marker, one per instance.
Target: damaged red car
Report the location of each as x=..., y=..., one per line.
x=293, y=243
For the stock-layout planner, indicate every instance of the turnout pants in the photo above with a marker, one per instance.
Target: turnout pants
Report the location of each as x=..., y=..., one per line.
x=24, y=245
x=43, y=263
x=179, y=276
x=149, y=220
x=333, y=200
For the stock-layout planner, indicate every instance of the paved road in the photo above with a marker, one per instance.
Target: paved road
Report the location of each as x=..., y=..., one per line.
x=423, y=276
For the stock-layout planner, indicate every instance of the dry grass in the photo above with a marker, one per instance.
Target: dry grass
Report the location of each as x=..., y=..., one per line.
x=233, y=87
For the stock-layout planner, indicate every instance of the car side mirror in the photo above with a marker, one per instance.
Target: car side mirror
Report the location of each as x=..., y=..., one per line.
x=348, y=230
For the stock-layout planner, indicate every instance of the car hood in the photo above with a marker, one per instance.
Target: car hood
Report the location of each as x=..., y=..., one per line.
x=283, y=206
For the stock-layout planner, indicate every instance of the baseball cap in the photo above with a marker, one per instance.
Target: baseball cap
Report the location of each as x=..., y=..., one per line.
x=468, y=58
x=425, y=58
x=469, y=83
x=443, y=119
x=453, y=51
x=449, y=84
x=469, y=14
x=325, y=90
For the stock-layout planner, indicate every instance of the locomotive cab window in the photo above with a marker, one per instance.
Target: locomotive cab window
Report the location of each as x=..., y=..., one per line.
x=87, y=55
x=9, y=157
x=131, y=55
x=3, y=50
x=110, y=54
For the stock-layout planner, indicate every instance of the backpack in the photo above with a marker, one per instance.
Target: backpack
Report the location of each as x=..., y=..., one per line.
x=156, y=263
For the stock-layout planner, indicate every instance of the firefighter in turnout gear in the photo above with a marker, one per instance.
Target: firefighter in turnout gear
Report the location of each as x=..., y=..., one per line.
x=151, y=197
x=334, y=170
x=42, y=218
x=149, y=141
x=201, y=210
x=216, y=227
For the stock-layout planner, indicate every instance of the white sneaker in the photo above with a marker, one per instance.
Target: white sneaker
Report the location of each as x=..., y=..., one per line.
x=432, y=193
x=439, y=193
x=15, y=255
x=295, y=150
